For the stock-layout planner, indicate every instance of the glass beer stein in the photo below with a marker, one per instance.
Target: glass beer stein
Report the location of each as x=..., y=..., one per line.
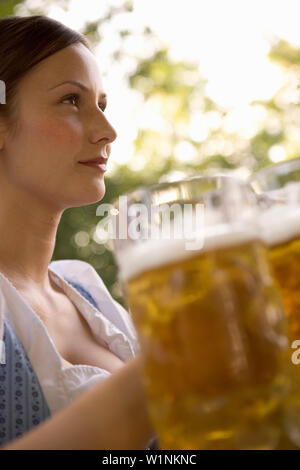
x=278, y=189
x=210, y=322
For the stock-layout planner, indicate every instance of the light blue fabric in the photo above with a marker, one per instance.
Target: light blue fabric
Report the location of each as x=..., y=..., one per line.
x=82, y=291
x=22, y=402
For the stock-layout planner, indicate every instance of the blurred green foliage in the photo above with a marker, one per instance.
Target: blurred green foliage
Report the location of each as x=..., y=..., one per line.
x=7, y=7
x=176, y=90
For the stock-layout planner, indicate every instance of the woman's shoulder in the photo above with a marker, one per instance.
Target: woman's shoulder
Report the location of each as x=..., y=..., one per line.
x=72, y=267
x=83, y=274
x=79, y=271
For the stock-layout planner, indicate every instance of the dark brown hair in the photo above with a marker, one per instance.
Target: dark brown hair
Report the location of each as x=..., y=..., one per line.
x=24, y=42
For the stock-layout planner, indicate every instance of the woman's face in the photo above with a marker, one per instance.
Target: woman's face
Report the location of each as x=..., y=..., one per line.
x=59, y=125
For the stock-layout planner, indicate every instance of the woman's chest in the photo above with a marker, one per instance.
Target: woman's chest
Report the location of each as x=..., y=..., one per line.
x=72, y=336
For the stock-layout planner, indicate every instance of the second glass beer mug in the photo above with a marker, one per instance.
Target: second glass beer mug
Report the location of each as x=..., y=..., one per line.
x=278, y=187
x=210, y=323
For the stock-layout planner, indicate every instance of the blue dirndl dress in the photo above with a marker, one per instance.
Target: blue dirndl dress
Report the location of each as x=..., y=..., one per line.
x=22, y=402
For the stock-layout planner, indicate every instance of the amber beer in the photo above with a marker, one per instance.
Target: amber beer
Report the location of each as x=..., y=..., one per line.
x=282, y=235
x=213, y=333
x=285, y=259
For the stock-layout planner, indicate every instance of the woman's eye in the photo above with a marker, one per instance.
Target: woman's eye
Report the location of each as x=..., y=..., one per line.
x=73, y=98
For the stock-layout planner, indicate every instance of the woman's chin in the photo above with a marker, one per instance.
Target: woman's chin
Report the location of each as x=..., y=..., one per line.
x=90, y=197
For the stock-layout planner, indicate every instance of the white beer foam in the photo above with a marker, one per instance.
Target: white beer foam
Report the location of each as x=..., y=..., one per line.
x=151, y=254
x=289, y=194
x=280, y=224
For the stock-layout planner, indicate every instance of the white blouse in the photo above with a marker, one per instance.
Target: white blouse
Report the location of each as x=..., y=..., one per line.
x=111, y=325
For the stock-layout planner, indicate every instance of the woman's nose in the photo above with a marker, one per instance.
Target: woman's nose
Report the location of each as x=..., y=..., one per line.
x=103, y=129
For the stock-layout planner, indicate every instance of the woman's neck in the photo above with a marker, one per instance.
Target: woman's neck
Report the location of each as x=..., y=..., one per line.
x=28, y=233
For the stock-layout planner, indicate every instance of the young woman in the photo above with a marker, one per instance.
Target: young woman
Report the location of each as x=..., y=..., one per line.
x=70, y=367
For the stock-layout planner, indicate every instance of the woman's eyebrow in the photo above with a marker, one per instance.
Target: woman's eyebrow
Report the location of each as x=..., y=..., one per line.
x=80, y=85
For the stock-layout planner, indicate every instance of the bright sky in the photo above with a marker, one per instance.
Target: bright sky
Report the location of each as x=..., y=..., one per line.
x=228, y=38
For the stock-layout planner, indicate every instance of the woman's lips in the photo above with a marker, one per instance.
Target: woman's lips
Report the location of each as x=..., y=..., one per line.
x=100, y=166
